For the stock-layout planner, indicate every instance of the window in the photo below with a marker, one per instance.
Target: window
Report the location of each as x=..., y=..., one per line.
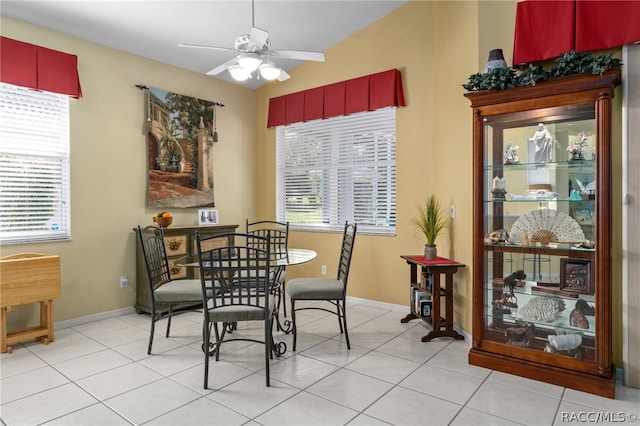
x=34, y=166
x=338, y=169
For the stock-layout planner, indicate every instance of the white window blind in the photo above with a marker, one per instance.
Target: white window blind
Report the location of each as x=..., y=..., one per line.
x=34, y=166
x=338, y=169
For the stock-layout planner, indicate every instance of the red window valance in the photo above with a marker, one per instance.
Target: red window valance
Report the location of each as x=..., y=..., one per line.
x=546, y=29
x=36, y=67
x=366, y=93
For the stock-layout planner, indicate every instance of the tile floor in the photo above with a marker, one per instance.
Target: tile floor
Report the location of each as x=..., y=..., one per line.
x=99, y=373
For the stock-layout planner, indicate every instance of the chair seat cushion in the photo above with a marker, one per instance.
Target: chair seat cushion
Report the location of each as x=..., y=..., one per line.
x=179, y=291
x=232, y=313
x=315, y=289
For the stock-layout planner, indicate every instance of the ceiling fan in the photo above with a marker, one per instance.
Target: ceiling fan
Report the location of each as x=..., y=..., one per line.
x=255, y=53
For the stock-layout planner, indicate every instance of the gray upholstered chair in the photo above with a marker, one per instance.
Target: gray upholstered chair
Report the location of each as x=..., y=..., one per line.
x=235, y=287
x=165, y=292
x=331, y=290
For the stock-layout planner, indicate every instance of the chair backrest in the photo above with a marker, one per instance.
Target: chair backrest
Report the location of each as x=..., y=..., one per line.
x=236, y=273
x=348, y=241
x=278, y=233
x=155, y=255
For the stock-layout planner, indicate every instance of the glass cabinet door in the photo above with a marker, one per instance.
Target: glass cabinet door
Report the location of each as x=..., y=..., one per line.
x=539, y=226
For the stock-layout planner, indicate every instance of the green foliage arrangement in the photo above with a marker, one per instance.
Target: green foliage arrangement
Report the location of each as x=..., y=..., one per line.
x=432, y=220
x=567, y=64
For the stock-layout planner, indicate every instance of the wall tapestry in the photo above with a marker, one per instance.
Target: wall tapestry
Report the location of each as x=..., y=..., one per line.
x=179, y=150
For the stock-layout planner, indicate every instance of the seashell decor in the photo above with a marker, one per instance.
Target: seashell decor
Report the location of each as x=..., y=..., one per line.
x=546, y=226
x=565, y=342
x=545, y=309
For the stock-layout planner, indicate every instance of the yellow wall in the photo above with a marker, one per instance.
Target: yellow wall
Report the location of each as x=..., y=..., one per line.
x=436, y=46
x=108, y=168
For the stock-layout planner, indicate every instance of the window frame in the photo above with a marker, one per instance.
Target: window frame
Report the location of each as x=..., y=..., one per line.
x=35, y=166
x=350, y=161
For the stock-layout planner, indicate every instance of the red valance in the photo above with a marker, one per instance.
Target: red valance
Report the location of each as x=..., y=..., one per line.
x=604, y=24
x=545, y=29
x=366, y=93
x=36, y=67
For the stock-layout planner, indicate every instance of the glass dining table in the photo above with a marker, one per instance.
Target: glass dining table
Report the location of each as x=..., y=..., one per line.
x=290, y=257
x=282, y=259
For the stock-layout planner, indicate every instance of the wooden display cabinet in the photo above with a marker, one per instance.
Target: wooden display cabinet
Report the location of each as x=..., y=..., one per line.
x=554, y=325
x=180, y=244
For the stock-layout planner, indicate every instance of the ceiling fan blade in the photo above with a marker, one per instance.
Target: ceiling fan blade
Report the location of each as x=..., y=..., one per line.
x=299, y=54
x=199, y=46
x=217, y=70
x=258, y=37
x=283, y=76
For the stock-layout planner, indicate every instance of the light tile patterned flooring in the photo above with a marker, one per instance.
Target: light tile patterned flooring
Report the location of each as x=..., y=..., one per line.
x=99, y=373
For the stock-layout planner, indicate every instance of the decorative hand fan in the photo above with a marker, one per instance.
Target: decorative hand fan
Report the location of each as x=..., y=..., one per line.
x=546, y=226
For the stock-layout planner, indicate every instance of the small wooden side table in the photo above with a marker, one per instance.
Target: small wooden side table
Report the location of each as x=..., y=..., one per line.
x=28, y=278
x=429, y=282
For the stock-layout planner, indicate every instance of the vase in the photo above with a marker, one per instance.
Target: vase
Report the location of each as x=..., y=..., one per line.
x=576, y=156
x=430, y=252
x=495, y=61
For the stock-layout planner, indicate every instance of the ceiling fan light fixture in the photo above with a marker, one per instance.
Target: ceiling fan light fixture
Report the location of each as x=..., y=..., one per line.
x=238, y=73
x=250, y=62
x=269, y=71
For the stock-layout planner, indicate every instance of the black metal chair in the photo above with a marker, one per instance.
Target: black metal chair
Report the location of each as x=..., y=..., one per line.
x=278, y=233
x=165, y=292
x=332, y=290
x=235, y=287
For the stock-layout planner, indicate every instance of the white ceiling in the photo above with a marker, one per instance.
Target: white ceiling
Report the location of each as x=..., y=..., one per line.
x=154, y=28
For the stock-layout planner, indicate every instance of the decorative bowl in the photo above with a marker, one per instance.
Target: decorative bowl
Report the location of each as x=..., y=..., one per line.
x=162, y=221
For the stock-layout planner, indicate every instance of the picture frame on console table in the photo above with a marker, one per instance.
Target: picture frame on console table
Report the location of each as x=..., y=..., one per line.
x=208, y=217
x=576, y=276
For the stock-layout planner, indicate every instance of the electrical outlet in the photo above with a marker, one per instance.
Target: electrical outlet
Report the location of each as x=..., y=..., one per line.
x=324, y=270
x=124, y=281
x=452, y=210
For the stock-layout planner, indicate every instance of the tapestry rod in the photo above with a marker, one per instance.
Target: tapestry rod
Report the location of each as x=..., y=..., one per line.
x=143, y=87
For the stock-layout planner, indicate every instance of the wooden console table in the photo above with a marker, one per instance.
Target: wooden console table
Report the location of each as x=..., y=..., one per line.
x=429, y=282
x=28, y=278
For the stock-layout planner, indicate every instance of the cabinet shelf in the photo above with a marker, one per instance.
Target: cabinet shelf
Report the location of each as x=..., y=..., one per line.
x=581, y=165
x=561, y=333
x=537, y=201
x=567, y=250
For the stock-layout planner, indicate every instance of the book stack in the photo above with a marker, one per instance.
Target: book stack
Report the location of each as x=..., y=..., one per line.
x=421, y=302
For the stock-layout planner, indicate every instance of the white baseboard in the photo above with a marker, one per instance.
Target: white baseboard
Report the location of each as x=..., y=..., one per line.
x=91, y=318
x=376, y=304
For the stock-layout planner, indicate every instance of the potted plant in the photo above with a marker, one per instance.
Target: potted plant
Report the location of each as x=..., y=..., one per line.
x=432, y=222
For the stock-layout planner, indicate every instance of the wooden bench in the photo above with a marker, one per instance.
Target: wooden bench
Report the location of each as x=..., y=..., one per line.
x=28, y=278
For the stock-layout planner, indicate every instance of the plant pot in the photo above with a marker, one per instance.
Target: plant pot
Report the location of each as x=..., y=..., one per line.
x=430, y=252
